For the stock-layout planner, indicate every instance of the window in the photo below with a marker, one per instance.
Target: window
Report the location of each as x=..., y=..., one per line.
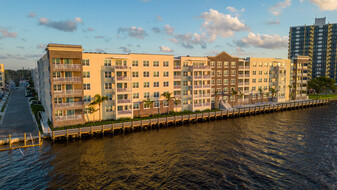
x=146, y=94
x=107, y=74
x=212, y=81
x=219, y=64
x=155, y=84
x=185, y=92
x=260, y=72
x=135, y=63
x=254, y=72
x=225, y=90
x=135, y=74
x=212, y=64
x=146, y=63
x=253, y=88
x=58, y=113
x=233, y=72
x=225, y=81
x=166, y=84
x=218, y=73
x=265, y=80
x=87, y=98
x=55, y=74
x=254, y=81
x=135, y=95
x=166, y=63
x=107, y=63
x=218, y=82
x=108, y=108
x=86, y=74
x=156, y=63
x=225, y=73
x=108, y=86
x=135, y=85
x=185, y=64
x=166, y=104
x=185, y=73
x=213, y=73
x=166, y=74
x=57, y=100
x=260, y=80
x=146, y=74
x=225, y=64
x=136, y=106
x=146, y=85
x=156, y=74
x=56, y=61
x=185, y=83
x=233, y=64
x=85, y=62
x=86, y=86
x=156, y=94
x=146, y=106
x=156, y=104
x=109, y=96
x=232, y=81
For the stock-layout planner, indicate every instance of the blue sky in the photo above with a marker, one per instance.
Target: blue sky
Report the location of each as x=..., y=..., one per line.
x=256, y=28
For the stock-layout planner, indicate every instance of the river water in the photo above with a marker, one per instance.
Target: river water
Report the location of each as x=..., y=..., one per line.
x=292, y=150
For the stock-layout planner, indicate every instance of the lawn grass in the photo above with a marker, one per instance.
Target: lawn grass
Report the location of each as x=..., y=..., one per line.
x=121, y=120
x=324, y=96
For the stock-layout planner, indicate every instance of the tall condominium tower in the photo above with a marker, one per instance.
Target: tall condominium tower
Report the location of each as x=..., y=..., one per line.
x=319, y=42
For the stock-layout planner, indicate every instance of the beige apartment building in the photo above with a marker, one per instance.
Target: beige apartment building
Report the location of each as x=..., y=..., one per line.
x=257, y=76
x=2, y=77
x=299, y=77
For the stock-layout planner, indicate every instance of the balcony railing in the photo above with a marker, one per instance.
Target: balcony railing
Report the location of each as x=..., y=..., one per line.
x=67, y=105
x=177, y=86
x=122, y=101
x=124, y=112
x=68, y=92
x=67, y=66
x=206, y=85
x=123, y=89
x=197, y=105
x=240, y=75
x=207, y=95
x=197, y=86
x=68, y=117
x=240, y=67
x=177, y=95
x=246, y=83
x=197, y=77
x=240, y=83
x=67, y=79
x=207, y=104
x=207, y=76
x=177, y=76
x=197, y=95
x=199, y=67
x=123, y=78
x=117, y=67
x=177, y=67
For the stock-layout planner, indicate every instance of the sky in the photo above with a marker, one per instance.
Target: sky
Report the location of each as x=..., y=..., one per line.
x=243, y=28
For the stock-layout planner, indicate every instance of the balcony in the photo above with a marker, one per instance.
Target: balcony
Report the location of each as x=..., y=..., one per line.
x=197, y=96
x=68, y=93
x=241, y=67
x=121, y=67
x=69, y=118
x=304, y=74
x=246, y=83
x=123, y=89
x=123, y=78
x=207, y=104
x=199, y=67
x=197, y=86
x=69, y=105
x=177, y=95
x=177, y=86
x=207, y=95
x=207, y=76
x=177, y=76
x=124, y=112
x=177, y=67
x=246, y=75
x=68, y=80
x=206, y=86
x=67, y=67
x=197, y=77
x=197, y=105
x=241, y=75
x=123, y=101
x=240, y=83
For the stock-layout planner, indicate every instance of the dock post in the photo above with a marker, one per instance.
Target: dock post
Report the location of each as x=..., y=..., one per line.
x=53, y=137
x=141, y=124
x=175, y=120
x=24, y=139
x=79, y=133
x=10, y=140
x=239, y=112
x=132, y=127
x=39, y=138
x=91, y=131
x=67, y=134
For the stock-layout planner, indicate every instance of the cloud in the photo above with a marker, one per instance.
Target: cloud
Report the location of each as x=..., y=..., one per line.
x=20, y=47
x=263, y=41
x=19, y=57
x=31, y=15
x=277, y=8
x=125, y=49
x=329, y=5
x=234, y=10
x=165, y=49
x=159, y=18
x=105, y=38
x=100, y=50
x=5, y=33
x=272, y=22
x=218, y=24
x=168, y=29
x=66, y=26
x=90, y=29
x=41, y=46
x=156, y=30
x=239, y=52
x=133, y=32
x=190, y=40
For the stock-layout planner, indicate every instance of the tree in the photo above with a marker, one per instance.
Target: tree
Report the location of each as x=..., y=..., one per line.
x=273, y=91
x=168, y=96
x=98, y=100
x=92, y=110
x=261, y=94
x=240, y=95
x=233, y=93
x=322, y=84
x=291, y=92
x=176, y=102
x=148, y=102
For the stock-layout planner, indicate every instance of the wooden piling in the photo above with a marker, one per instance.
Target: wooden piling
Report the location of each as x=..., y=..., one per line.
x=39, y=138
x=25, y=139
x=10, y=140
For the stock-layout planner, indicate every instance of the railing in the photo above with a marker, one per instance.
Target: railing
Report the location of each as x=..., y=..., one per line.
x=68, y=117
x=70, y=104
x=207, y=77
x=207, y=104
x=197, y=105
x=67, y=79
x=207, y=95
x=247, y=67
x=240, y=75
x=120, y=67
x=121, y=101
x=246, y=83
x=177, y=86
x=123, y=78
x=197, y=96
x=177, y=76
x=240, y=67
x=206, y=85
x=246, y=75
x=123, y=89
x=240, y=83
x=199, y=67
x=197, y=86
x=68, y=92
x=177, y=67
x=197, y=77
x=246, y=91
x=305, y=74
x=177, y=95
x=67, y=66
x=124, y=112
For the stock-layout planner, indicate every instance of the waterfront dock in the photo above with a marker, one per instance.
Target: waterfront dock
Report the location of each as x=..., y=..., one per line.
x=183, y=119
x=20, y=142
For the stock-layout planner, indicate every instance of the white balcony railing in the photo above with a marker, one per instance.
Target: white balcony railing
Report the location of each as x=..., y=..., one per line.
x=67, y=66
x=68, y=92
x=197, y=105
x=122, y=101
x=197, y=86
x=68, y=117
x=67, y=105
x=123, y=78
x=123, y=89
x=67, y=79
x=124, y=112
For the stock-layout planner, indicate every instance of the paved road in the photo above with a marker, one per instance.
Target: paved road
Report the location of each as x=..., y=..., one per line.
x=18, y=118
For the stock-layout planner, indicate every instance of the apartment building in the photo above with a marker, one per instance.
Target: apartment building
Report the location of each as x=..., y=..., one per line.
x=299, y=78
x=258, y=76
x=192, y=83
x=224, y=78
x=2, y=77
x=319, y=42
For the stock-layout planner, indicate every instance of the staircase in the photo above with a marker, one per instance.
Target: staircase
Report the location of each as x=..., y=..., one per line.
x=225, y=106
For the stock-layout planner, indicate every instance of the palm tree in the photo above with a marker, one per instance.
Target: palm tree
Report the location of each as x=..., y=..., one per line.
x=233, y=93
x=176, y=102
x=261, y=94
x=168, y=96
x=148, y=102
x=240, y=95
x=291, y=92
x=92, y=110
x=267, y=94
x=98, y=100
x=273, y=92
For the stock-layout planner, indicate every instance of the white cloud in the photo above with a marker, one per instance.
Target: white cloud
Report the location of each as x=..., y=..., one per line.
x=168, y=29
x=329, y=5
x=218, y=24
x=165, y=49
x=156, y=30
x=234, y=10
x=272, y=22
x=41, y=46
x=277, y=8
x=190, y=40
x=133, y=32
x=100, y=50
x=19, y=56
x=66, y=26
x=125, y=49
x=31, y=14
x=263, y=41
x=5, y=33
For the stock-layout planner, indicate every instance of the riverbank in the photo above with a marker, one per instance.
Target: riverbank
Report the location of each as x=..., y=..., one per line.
x=132, y=126
x=323, y=96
